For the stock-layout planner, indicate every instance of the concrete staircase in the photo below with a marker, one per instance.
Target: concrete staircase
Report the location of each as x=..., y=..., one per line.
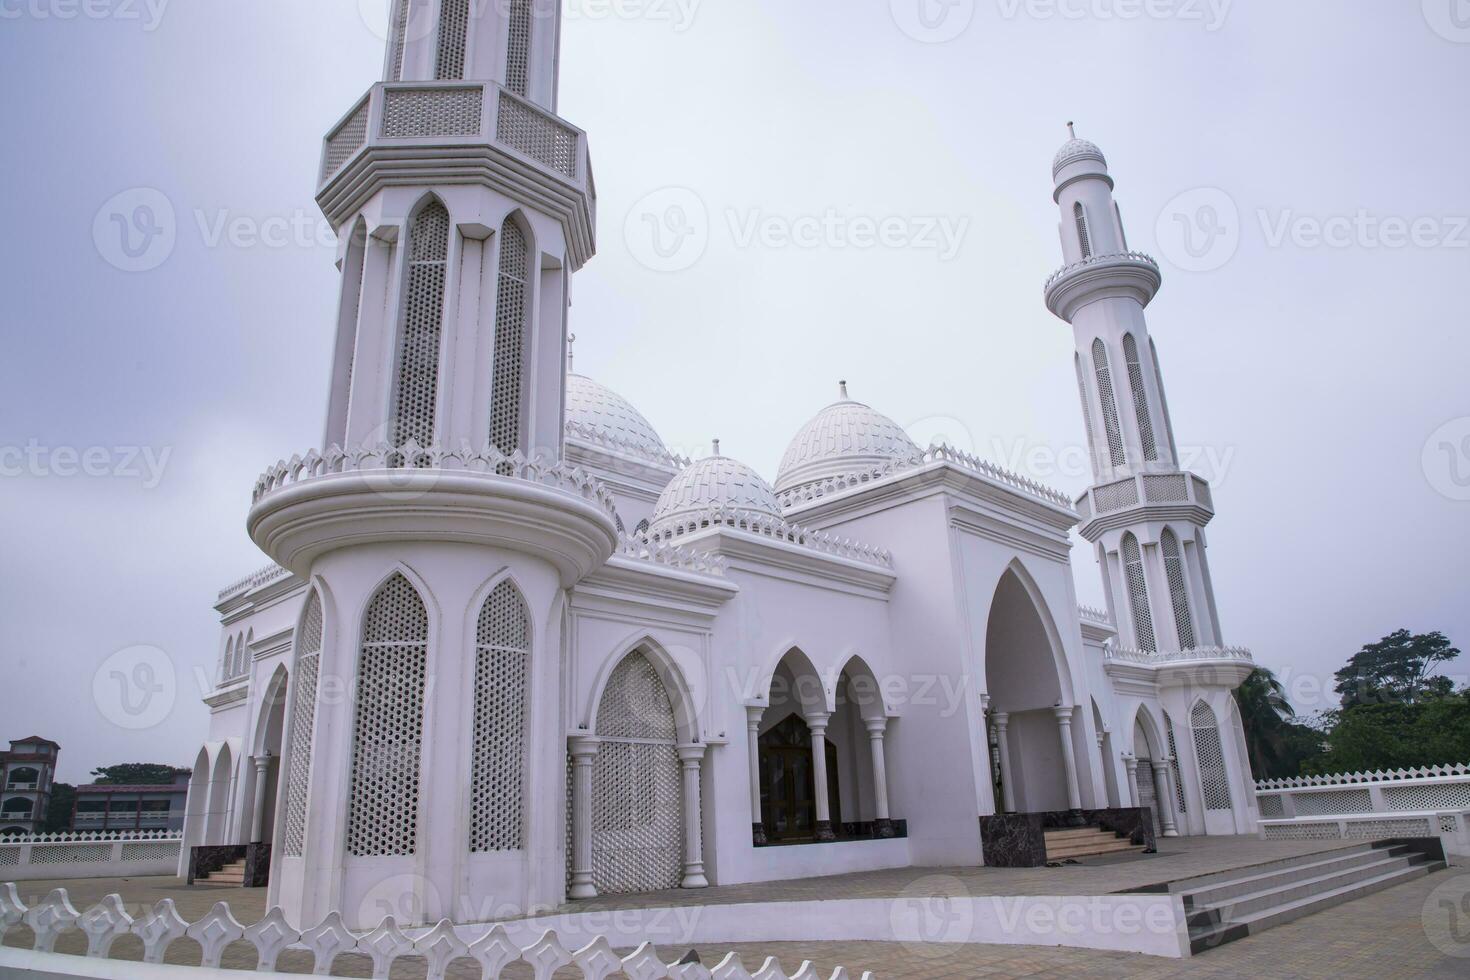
x=1234, y=904
x=230, y=876
x=1086, y=842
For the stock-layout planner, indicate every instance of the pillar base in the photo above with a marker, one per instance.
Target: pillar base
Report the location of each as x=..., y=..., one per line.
x=824, y=832
x=883, y=828
x=1171, y=833
x=758, y=834
x=694, y=877
x=1076, y=819
x=581, y=889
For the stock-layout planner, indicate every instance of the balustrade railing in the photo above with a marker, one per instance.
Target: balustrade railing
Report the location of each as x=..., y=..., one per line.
x=1115, y=258
x=1145, y=488
x=1428, y=801
x=1153, y=658
x=771, y=527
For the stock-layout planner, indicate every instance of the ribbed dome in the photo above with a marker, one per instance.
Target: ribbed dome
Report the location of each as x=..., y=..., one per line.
x=844, y=437
x=601, y=415
x=713, y=482
x=1077, y=149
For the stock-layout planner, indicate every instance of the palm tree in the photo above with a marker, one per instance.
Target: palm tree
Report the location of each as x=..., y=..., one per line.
x=1268, y=720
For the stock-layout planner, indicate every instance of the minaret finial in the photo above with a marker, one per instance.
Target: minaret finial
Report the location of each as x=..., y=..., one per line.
x=717, y=447
x=842, y=390
x=1071, y=130
x=571, y=341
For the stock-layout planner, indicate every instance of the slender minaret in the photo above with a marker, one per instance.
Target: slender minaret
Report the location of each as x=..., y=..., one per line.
x=1144, y=514
x=425, y=774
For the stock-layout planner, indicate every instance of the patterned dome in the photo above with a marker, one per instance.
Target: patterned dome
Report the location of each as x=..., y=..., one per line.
x=713, y=482
x=601, y=415
x=845, y=437
x=1077, y=149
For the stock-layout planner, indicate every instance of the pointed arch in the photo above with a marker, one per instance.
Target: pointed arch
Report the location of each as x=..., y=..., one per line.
x=421, y=325
x=1178, y=592
x=512, y=316
x=520, y=21
x=275, y=697
x=810, y=691
x=307, y=652
x=454, y=20
x=221, y=777
x=1145, y=724
x=497, y=773
x=1084, y=240
x=676, y=686
x=1209, y=755
x=1044, y=689
x=1108, y=401
x=1140, y=399
x=227, y=660
x=862, y=690
x=388, y=722
x=1143, y=620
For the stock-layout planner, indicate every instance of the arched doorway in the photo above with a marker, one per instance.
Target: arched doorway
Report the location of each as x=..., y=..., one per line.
x=788, y=783
x=637, y=811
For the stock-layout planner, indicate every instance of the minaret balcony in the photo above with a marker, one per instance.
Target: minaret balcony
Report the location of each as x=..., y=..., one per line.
x=1127, y=274
x=1197, y=667
x=1145, y=497
x=309, y=505
x=461, y=132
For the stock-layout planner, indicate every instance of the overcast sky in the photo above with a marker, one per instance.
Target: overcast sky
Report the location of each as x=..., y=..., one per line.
x=1298, y=168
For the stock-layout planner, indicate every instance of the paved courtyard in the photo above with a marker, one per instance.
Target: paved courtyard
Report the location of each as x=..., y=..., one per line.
x=1380, y=936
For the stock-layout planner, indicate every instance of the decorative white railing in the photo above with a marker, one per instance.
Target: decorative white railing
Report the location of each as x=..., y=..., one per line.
x=619, y=444
x=94, y=855
x=1152, y=658
x=254, y=580
x=1116, y=258
x=672, y=555
x=1424, y=802
x=91, y=837
x=1145, y=488
x=492, y=948
x=1359, y=778
x=771, y=527
x=393, y=461
x=937, y=453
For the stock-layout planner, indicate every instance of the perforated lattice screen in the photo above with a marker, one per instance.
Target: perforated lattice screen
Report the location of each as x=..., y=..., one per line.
x=1333, y=802
x=1140, y=399
x=1178, y=595
x=389, y=725
x=1147, y=794
x=303, y=718
x=1086, y=403
x=1143, y=620
x=347, y=140
x=1436, y=796
x=454, y=17
x=1115, y=496
x=502, y=649
x=1174, y=753
x=417, y=375
x=150, y=851
x=1082, y=237
x=1271, y=807
x=1406, y=827
x=420, y=112
x=510, y=329
x=400, y=36
x=637, y=815
x=518, y=45
x=1109, y=402
x=1214, y=783
x=537, y=135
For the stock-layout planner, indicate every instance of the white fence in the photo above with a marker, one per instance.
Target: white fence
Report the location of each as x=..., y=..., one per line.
x=90, y=855
x=1427, y=802
x=492, y=949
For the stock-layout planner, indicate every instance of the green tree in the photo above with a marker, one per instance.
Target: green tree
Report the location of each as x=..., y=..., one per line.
x=1396, y=669
x=137, y=773
x=59, y=810
x=1433, y=731
x=1275, y=741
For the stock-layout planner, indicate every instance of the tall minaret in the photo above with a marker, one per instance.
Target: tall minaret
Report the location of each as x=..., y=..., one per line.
x=1144, y=514
x=425, y=774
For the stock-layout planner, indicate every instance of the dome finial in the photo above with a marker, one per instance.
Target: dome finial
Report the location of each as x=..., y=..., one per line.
x=717, y=447
x=571, y=341
x=1071, y=130
x=842, y=390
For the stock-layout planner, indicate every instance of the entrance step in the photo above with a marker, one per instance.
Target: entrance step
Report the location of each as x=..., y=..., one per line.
x=230, y=876
x=1083, y=842
x=1231, y=905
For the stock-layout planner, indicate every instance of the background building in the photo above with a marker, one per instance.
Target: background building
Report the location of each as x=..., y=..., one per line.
x=27, y=773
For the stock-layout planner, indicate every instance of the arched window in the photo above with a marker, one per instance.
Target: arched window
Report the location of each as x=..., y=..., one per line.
x=1109, y=402
x=518, y=45
x=1143, y=620
x=1086, y=403
x=1163, y=399
x=1178, y=595
x=417, y=377
x=1140, y=399
x=388, y=729
x=510, y=328
x=227, y=662
x=502, y=649
x=1083, y=238
x=399, y=29
x=454, y=18
x=1214, y=782
x=24, y=776
x=303, y=719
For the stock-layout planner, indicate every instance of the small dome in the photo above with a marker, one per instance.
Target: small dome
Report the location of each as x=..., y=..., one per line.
x=1077, y=149
x=715, y=482
x=843, y=438
x=602, y=416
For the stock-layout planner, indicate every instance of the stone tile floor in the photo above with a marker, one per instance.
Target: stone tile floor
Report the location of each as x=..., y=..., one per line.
x=1380, y=936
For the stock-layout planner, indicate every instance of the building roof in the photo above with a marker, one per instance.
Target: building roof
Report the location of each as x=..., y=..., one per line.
x=36, y=740
x=601, y=415
x=715, y=483
x=134, y=788
x=845, y=437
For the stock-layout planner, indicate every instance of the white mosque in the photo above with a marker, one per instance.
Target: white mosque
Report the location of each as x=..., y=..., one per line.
x=512, y=651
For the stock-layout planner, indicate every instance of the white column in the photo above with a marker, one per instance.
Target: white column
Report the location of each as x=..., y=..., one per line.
x=1131, y=763
x=689, y=760
x=817, y=722
x=583, y=751
x=257, y=819
x=1002, y=720
x=1165, y=795
x=1069, y=762
x=753, y=715
x=882, y=826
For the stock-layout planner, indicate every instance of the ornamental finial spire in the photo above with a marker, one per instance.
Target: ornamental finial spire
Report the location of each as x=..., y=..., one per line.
x=571, y=341
x=717, y=447
x=842, y=390
x=1071, y=130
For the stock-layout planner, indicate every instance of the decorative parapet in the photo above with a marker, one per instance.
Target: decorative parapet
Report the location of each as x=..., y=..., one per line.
x=1145, y=489
x=1148, y=658
x=1116, y=258
x=688, y=559
x=92, y=837
x=386, y=459
x=1093, y=615
x=1360, y=778
x=1130, y=274
x=493, y=948
x=616, y=443
x=254, y=580
x=934, y=454
x=766, y=526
